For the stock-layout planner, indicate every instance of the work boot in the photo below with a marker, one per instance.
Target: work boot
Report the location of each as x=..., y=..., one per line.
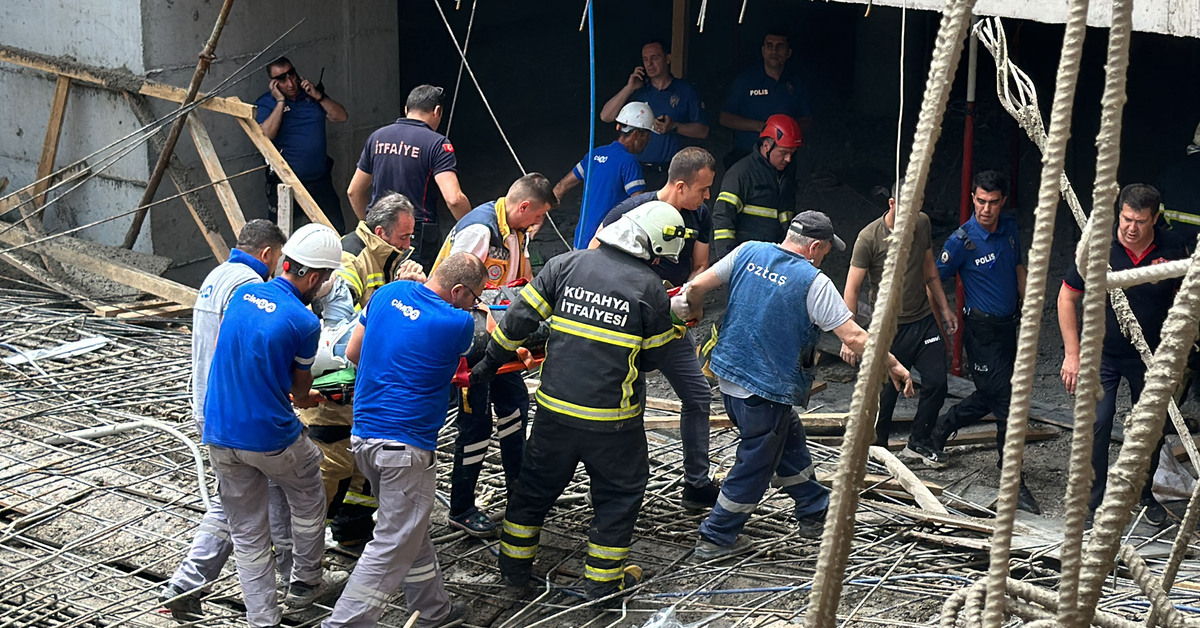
x=458, y=610
x=926, y=453
x=630, y=576
x=707, y=550
x=474, y=523
x=1154, y=513
x=1025, y=500
x=184, y=607
x=302, y=595
x=811, y=526
x=700, y=498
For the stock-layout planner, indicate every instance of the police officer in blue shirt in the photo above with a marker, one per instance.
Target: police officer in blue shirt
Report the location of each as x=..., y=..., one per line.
x=985, y=253
x=762, y=91
x=679, y=110
x=292, y=114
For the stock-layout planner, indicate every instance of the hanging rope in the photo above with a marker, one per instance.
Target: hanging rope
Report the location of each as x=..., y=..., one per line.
x=839, y=525
x=1023, y=107
x=1053, y=163
x=461, y=64
x=1151, y=586
x=1128, y=475
x=503, y=136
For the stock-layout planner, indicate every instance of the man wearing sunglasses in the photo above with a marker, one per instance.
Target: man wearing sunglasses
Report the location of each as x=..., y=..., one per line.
x=292, y=113
x=497, y=233
x=689, y=179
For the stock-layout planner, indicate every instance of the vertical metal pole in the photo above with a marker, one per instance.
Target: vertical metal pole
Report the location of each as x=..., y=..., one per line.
x=965, y=210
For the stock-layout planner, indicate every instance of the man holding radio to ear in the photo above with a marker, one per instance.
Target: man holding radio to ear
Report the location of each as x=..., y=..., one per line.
x=292, y=114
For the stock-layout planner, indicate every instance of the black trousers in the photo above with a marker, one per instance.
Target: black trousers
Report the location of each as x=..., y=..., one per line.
x=917, y=344
x=426, y=244
x=508, y=395
x=617, y=467
x=1111, y=372
x=991, y=346
x=322, y=191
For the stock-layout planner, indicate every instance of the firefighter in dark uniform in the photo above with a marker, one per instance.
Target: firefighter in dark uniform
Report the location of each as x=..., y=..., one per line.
x=1137, y=242
x=758, y=194
x=985, y=253
x=495, y=232
x=409, y=156
x=609, y=319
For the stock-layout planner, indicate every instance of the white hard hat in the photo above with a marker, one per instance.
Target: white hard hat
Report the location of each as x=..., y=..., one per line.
x=636, y=115
x=314, y=246
x=664, y=226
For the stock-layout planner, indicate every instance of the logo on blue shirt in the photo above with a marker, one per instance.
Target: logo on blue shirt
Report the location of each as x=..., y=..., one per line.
x=411, y=312
x=260, y=303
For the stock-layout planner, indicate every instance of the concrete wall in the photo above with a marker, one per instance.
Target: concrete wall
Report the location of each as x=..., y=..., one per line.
x=104, y=34
x=356, y=43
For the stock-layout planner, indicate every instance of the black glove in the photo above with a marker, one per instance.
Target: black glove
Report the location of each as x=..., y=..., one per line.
x=484, y=371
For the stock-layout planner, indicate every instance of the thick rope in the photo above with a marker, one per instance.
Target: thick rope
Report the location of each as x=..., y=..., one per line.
x=1151, y=586
x=1147, y=274
x=1025, y=600
x=839, y=525
x=1087, y=393
x=1183, y=535
x=1053, y=162
x=1128, y=475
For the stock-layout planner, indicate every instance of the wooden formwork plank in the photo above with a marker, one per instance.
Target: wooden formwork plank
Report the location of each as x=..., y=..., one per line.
x=282, y=170
x=58, y=110
x=216, y=172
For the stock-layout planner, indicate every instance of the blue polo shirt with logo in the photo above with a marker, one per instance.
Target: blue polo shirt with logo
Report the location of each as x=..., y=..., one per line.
x=265, y=334
x=301, y=135
x=412, y=341
x=986, y=263
x=757, y=96
x=678, y=100
x=616, y=175
x=404, y=157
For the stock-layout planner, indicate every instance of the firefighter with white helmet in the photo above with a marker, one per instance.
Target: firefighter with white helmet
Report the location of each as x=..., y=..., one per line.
x=615, y=172
x=609, y=319
x=265, y=350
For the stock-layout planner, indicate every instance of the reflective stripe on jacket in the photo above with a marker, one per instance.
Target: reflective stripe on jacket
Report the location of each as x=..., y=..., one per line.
x=756, y=201
x=609, y=316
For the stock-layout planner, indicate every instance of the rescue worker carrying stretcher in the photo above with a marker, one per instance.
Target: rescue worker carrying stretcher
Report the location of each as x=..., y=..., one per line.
x=495, y=232
x=375, y=253
x=609, y=320
x=765, y=368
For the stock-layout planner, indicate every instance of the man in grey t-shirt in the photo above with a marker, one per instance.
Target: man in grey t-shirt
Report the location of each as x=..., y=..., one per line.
x=252, y=261
x=918, y=342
